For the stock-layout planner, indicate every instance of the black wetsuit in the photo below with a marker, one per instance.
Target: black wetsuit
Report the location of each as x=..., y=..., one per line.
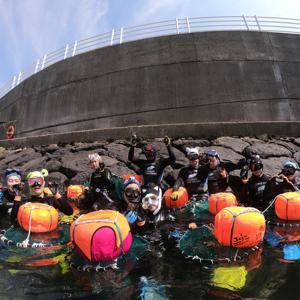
x=61, y=204
x=275, y=187
x=190, y=178
x=255, y=187
x=152, y=171
x=7, y=202
x=101, y=192
x=216, y=181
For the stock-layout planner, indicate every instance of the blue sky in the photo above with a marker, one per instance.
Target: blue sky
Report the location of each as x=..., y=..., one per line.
x=31, y=28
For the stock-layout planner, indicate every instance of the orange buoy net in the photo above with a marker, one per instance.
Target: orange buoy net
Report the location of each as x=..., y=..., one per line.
x=239, y=227
x=287, y=206
x=217, y=202
x=101, y=235
x=75, y=191
x=182, y=199
x=37, y=217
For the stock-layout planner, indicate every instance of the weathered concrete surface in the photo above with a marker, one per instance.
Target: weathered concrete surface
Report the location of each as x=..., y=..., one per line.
x=187, y=78
x=194, y=130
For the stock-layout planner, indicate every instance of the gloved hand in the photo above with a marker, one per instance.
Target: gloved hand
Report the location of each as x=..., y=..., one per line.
x=53, y=186
x=17, y=189
x=167, y=140
x=131, y=216
x=223, y=173
x=242, y=162
x=175, y=195
x=134, y=140
x=244, y=172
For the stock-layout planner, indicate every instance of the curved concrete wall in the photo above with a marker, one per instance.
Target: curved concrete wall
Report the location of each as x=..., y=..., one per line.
x=199, y=77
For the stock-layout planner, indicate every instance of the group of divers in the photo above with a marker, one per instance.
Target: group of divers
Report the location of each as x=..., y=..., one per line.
x=141, y=201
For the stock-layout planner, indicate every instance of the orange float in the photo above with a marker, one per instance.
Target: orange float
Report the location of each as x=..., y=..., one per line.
x=239, y=227
x=37, y=217
x=217, y=202
x=101, y=235
x=75, y=191
x=287, y=206
x=137, y=177
x=182, y=200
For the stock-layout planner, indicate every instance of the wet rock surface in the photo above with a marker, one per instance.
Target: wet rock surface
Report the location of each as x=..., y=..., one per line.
x=69, y=162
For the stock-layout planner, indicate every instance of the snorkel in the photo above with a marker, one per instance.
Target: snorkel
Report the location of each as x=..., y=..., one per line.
x=36, y=182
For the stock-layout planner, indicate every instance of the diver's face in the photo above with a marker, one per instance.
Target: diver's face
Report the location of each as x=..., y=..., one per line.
x=132, y=193
x=193, y=161
x=95, y=164
x=213, y=162
x=36, y=185
x=11, y=181
x=257, y=173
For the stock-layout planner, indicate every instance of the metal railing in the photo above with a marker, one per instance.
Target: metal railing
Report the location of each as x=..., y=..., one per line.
x=170, y=27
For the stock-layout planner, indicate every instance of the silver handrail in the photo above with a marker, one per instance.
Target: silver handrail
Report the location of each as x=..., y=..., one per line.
x=155, y=29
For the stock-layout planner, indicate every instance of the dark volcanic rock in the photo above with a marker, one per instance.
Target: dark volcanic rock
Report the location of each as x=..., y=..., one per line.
x=34, y=165
x=273, y=165
x=53, y=165
x=51, y=148
x=297, y=157
x=265, y=150
x=224, y=153
x=81, y=178
x=236, y=144
x=58, y=177
x=120, y=169
x=77, y=147
x=118, y=151
x=182, y=143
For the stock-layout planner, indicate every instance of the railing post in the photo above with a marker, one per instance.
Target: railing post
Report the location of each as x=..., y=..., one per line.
x=188, y=24
x=37, y=66
x=258, y=25
x=66, y=51
x=74, y=48
x=177, y=26
x=44, y=62
x=14, y=82
x=19, y=78
x=246, y=23
x=121, y=35
x=112, y=37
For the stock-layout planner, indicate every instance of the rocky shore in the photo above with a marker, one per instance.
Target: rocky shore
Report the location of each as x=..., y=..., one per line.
x=68, y=162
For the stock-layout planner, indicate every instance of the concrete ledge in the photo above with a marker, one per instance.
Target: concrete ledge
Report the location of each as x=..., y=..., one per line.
x=195, y=130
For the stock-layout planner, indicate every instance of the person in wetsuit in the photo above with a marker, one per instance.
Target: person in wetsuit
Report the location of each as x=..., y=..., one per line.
x=101, y=193
x=131, y=204
x=152, y=167
x=217, y=172
x=190, y=178
x=254, y=186
x=14, y=187
x=38, y=192
x=284, y=182
x=153, y=213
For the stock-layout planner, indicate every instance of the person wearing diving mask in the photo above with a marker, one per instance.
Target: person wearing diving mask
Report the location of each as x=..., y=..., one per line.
x=13, y=190
x=152, y=167
x=189, y=177
x=284, y=182
x=217, y=172
x=254, y=186
x=39, y=193
x=152, y=207
x=131, y=204
x=101, y=190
